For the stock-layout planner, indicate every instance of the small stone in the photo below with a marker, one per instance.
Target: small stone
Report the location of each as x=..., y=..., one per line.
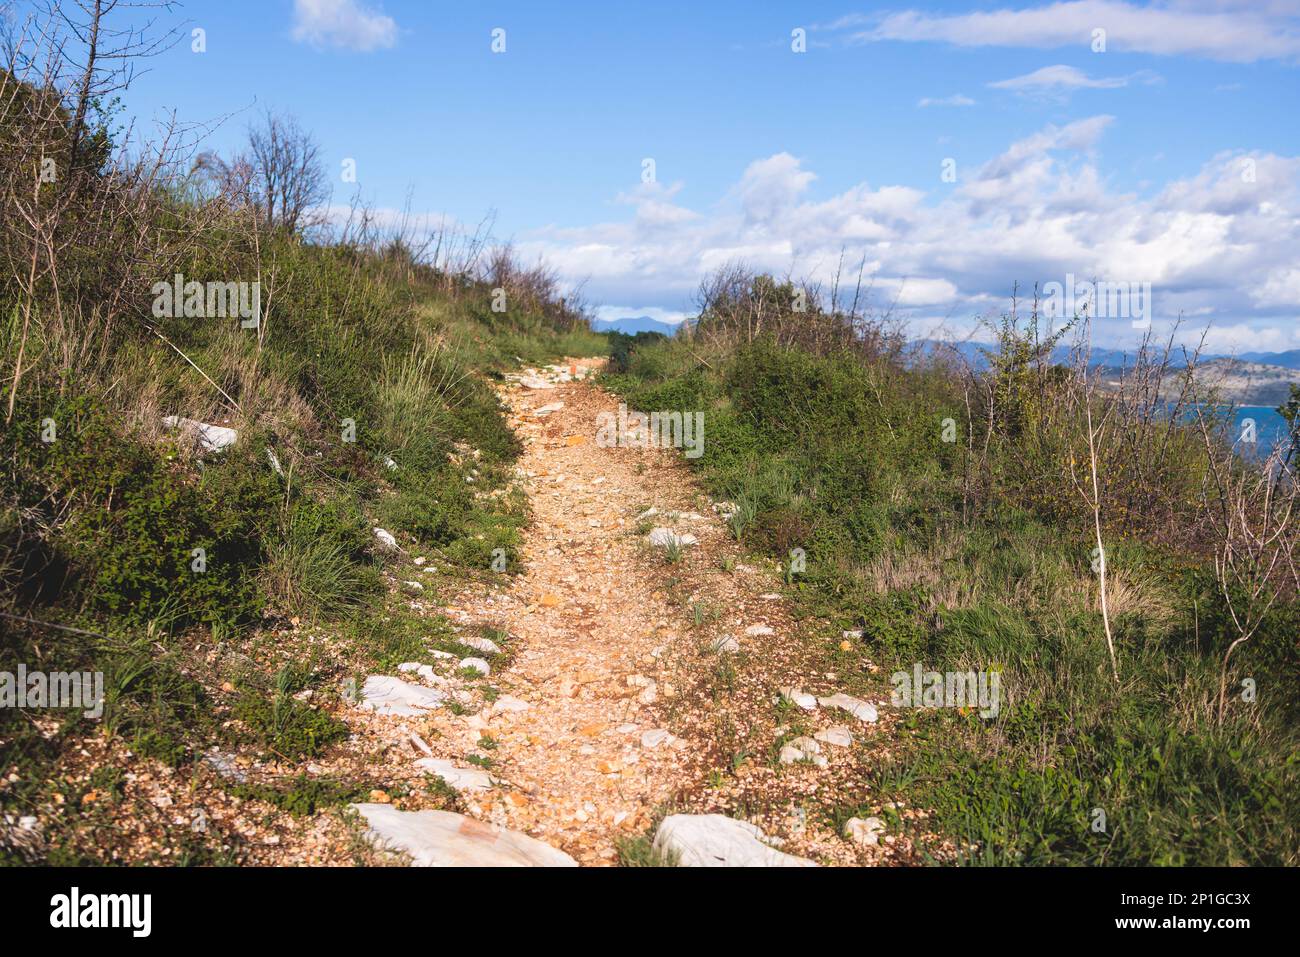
x=799, y=698
x=865, y=831
x=208, y=438
x=509, y=704
x=476, y=664
x=462, y=779
x=726, y=644
x=654, y=737
x=665, y=537
x=837, y=735
x=862, y=710
x=485, y=645
x=380, y=797
x=386, y=540
x=802, y=750
x=759, y=631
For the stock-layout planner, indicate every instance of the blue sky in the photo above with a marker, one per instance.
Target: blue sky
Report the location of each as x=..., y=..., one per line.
x=1171, y=157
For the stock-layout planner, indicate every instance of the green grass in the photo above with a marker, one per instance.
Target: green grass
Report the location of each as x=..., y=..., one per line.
x=842, y=457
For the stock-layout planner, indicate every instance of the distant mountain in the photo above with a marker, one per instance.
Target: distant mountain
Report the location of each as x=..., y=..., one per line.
x=974, y=353
x=1287, y=360
x=634, y=324
x=1250, y=378
x=1249, y=383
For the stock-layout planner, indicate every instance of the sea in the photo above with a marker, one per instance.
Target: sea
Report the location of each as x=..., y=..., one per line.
x=1270, y=427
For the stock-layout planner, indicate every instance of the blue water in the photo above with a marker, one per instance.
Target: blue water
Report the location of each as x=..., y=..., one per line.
x=1270, y=428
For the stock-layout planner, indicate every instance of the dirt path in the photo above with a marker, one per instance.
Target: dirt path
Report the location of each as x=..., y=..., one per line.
x=631, y=685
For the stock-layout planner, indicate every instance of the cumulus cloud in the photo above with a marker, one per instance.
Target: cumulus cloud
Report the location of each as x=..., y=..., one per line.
x=345, y=24
x=1239, y=32
x=1218, y=246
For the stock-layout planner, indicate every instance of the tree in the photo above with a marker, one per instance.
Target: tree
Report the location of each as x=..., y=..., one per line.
x=288, y=182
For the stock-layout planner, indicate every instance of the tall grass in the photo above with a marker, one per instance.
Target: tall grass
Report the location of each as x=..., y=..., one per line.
x=979, y=554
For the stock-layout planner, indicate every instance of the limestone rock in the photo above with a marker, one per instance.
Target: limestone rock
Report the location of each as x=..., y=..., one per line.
x=803, y=700
x=714, y=840
x=385, y=694
x=862, y=710
x=485, y=645
x=837, y=735
x=662, y=537
x=208, y=438
x=865, y=831
x=445, y=839
x=462, y=779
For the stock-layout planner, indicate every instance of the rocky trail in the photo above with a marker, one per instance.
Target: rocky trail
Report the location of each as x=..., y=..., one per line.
x=646, y=691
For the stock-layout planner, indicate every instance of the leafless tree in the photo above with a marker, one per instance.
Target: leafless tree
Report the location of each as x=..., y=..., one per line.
x=288, y=180
x=1252, y=511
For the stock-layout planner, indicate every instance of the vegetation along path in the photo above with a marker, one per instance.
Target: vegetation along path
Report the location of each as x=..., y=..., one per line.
x=639, y=668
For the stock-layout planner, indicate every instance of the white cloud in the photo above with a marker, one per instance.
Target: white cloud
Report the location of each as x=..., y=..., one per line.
x=342, y=23
x=1239, y=32
x=956, y=99
x=1217, y=246
x=1061, y=79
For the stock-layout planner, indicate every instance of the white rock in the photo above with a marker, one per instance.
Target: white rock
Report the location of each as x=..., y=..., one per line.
x=386, y=540
x=770, y=596
x=649, y=694
x=724, y=644
x=664, y=537
x=462, y=779
x=864, y=830
x=420, y=744
x=444, y=839
x=529, y=382
x=851, y=635
x=862, y=710
x=837, y=735
x=803, y=700
x=548, y=408
x=424, y=671
x=209, y=438
x=759, y=631
x=485, y=645
x=385, y=694
x=414, y=586
x=714, y=840
x=654, y=737
x=224, y=764
x=509, y=704
x=477, y=664
x=802, y=749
